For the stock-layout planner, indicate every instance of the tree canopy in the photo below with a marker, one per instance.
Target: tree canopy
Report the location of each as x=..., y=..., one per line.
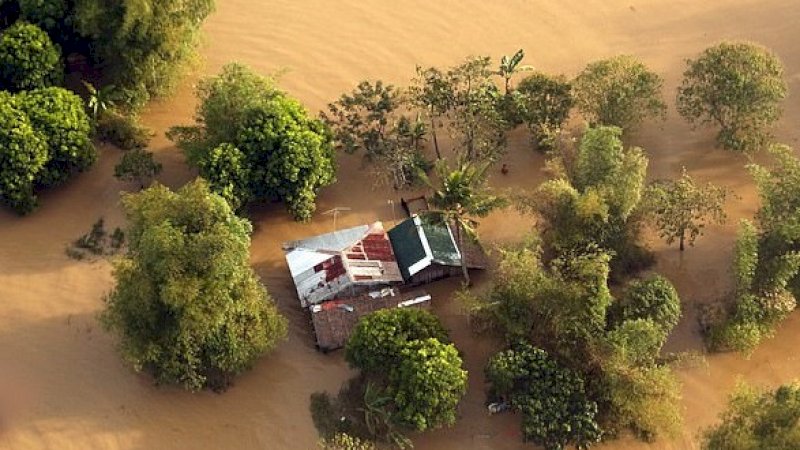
x=405, y=354
x=142, y=45
x=28, y=59
x=738, y=87
x=46, y=139
x=252, y=142
x=766, y=258
x=60, y=116
x=556, y=411
x=619, y=91
x=369, y=120
x=758, y=420
x=594, y=198
x=543, y=104
x=187, y=308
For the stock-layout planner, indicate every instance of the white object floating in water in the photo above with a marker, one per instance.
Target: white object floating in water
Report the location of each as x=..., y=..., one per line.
x=414, y=301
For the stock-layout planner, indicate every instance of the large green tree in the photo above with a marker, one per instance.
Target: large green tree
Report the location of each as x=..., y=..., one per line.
x=415, y=376
x=460, y=196
x=758, y=420
x=28, y=58
x=766, y=258
x=427, y=384
x=738, y=87
x=252, y=142
x=187, y=308
x=619, y=91
x=594, y=198
x=141, y=45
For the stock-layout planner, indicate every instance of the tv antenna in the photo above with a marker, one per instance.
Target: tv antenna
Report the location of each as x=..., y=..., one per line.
x=335, y=213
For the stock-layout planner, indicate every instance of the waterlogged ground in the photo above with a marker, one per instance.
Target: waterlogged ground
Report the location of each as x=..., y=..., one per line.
x=62, y=385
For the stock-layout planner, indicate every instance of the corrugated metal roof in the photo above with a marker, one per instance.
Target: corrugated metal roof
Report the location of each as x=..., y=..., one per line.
x=324, y=265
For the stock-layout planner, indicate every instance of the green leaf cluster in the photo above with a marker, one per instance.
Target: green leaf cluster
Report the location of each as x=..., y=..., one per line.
x=187, y=308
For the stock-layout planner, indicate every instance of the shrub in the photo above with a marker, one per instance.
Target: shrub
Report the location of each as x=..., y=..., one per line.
x=137, y=165
x=123, y=131
x=28, y=59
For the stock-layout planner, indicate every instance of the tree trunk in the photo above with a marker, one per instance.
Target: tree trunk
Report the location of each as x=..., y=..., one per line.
x=464, y=269
x=435, y=139
x=681, y=244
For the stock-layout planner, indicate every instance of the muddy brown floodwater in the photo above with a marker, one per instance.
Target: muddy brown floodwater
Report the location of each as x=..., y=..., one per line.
x=62, y=385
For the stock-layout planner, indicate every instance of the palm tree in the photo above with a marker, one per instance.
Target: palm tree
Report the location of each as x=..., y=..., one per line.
x=460, y=195
x=510, y=65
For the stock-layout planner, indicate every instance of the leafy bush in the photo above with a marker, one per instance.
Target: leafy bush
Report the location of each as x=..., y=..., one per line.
x=653, y=298
x=556, y=411
x=274, y=150
x=23, y=155
x=737, y=87
x=378, y=340
x=543, y=104
x=187, y=307
x=137, y=165
x=60, y=117
x=619, y=91
x=121, y=130
x=28, y=59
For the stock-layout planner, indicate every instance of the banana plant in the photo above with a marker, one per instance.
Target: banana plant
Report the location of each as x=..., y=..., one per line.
x=510, y=65
x=99, y=100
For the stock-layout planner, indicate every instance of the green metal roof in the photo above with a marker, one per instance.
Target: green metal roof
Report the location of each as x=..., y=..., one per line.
x=441, y=243
x=421, y=242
